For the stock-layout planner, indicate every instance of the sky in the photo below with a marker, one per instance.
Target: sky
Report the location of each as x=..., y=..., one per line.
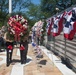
x=36, y=1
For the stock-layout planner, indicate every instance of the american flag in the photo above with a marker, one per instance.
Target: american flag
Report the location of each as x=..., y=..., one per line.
x=56, y=27
x=58, y=24
x=49, y=25
x=69, y=28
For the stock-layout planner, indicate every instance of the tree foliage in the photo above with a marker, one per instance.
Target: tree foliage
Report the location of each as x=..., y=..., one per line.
x=17, y=6
x=63, y=4
x=33, y=12
x=49, y=6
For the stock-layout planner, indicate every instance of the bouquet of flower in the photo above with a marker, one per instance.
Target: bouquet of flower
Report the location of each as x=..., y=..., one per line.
x=17, y=26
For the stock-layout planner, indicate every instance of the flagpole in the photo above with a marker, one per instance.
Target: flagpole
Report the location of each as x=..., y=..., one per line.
x=65, y=49
x=10, y=6
x=54, y=44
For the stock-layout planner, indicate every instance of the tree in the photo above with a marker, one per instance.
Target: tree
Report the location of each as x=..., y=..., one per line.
x=17, y=6
x=33, y=11
x=63, y=4
x=49, y=6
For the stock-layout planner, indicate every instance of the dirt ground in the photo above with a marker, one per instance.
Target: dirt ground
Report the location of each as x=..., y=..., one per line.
x=35, y=66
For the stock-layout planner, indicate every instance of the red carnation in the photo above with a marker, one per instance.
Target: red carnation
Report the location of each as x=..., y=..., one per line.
x=22, y=48
x=10, y=47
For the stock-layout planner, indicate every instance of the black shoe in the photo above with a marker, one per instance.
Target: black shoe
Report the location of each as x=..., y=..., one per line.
x=7, y=65
x=39, y=56
x=24, y=61
x=10, y=61
x=21, y=62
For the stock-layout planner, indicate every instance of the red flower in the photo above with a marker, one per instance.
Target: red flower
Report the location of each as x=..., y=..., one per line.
x=10, y=47
x=22, y=48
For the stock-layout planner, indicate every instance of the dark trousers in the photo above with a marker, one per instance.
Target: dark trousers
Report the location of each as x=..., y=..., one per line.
x=22, y=56
x=23, y=53
x=2, y=42
x=9, y=57
x=9, y=54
